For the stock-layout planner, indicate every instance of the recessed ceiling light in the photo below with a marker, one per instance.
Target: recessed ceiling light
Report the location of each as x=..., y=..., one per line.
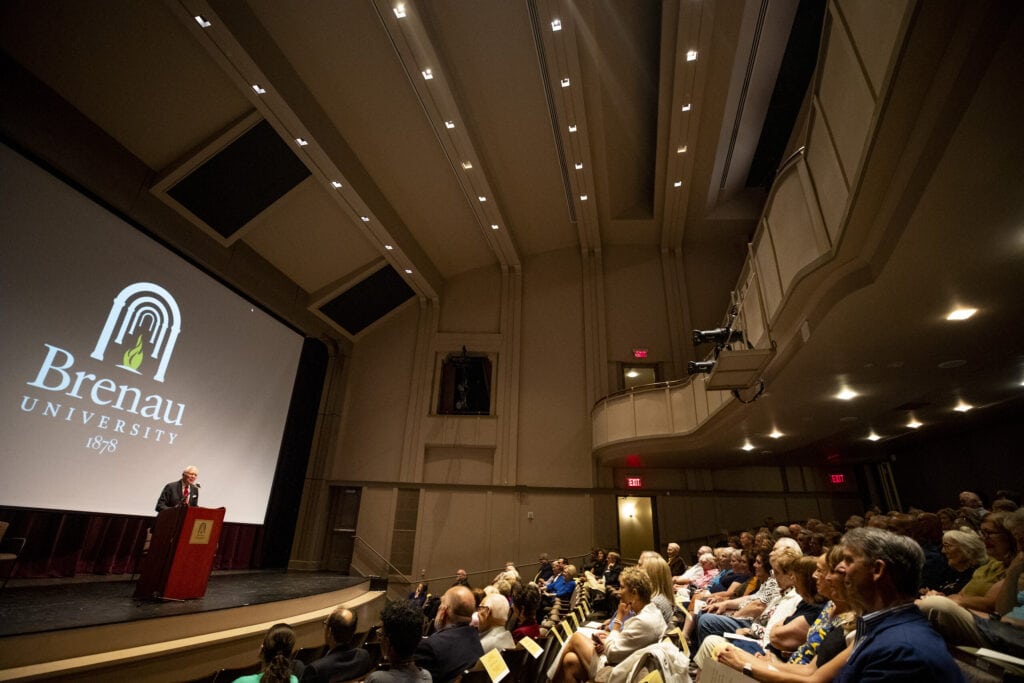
x=962, y=407
x=572, y=128
x=565, y=82
x=449, y=124
x=747, y=446
x=258, y=90
x=846, y=394
x=873, y=437
x=556, y=25
x=681, y=149
x=961, y=313
x=776, y=434
x=632, y=373
x=583, y=197
x=388, y=247
x=494, y=226
x=301, y=142
x=678, y=183
x=687, y=107
x=399, y=11
x=467, y=165
x=482, y=198
x=691, y=56
x=365, y=219
x=914, y=424
x=408, y=271
x=427, y=74
x=202, y=22
x=579, y=166
x=335, y=184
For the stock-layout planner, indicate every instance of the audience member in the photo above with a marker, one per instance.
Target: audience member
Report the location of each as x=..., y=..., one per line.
x=418, y=596
x=275, y=657
x=461, y=579
x=401, y=628
x=492, y=617
x=965, y=553
x=342, y=658
x=585, y=654
x=526, y=614
x=544, y=570
x=662, y=593
x=676, y=563
x=455, y=645
x=972, y=501
x=894, y=642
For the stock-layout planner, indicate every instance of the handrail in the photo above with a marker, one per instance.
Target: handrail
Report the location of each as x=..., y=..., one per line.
x=394, y=569
x=642, y=388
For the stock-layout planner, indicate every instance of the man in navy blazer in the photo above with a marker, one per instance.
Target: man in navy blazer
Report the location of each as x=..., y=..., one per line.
x=342, y=661
x=882, y=573
x=174, y=493
x=455, y=646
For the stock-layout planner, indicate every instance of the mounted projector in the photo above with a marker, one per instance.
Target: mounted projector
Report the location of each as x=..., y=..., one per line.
x=738, y=369
x=719, y=336
x=695, y=367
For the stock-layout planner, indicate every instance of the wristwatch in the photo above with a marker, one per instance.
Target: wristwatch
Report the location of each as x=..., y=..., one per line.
x=748, y=670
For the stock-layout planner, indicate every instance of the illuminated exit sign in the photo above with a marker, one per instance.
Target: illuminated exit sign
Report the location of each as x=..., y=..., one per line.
x=837, y=478
x=639, y=354
x=634, y=483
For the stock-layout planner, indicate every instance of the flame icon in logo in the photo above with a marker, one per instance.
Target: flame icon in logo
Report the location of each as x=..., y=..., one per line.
x=133, y=356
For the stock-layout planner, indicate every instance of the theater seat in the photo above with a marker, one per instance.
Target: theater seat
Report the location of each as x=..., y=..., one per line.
x=10, y=550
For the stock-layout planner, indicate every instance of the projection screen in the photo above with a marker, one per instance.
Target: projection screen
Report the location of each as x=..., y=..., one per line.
x=122, y=364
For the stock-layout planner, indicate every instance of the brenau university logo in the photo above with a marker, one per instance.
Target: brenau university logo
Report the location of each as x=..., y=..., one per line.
x=142, y=305
x=144, y=316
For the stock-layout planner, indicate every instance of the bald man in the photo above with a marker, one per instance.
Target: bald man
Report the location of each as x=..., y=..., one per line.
x=185, y=491
x=455, y=646
x=342, y=661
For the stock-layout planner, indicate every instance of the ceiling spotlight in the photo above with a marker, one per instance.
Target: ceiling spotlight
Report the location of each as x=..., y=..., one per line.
x=449, y=124
x=681, y=149
x=961, y=313
x=388, y=247
x=846, y=394
x=427, y=74
x=202, y=22
x=300, y=142
x=572, y=128
x=914, y=424
x=408, y=271
x=747, y=446
x=258, y=90
x=556, y=25
x=776, y=434
x=678, y=183
x=482, y=198
x=697, y=367
x=962, y=407
x=873, y=437
x=719, y=335
x=691, y=56
x=365, y=219
x=399, y=11
x=583, y=197
x=335, y=184
x=494, y=226
x=687, y=107
x=467, y=165
x=579, y=166
x=565, y=82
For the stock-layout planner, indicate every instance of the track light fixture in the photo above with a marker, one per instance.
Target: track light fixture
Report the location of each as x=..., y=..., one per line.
x=697, y=367
x=718, y=336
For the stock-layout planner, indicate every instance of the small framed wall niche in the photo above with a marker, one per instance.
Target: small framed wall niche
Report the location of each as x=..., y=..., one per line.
x=465, y=383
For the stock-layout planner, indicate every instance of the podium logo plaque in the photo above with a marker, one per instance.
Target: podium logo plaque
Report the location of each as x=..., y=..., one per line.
x=201, y=531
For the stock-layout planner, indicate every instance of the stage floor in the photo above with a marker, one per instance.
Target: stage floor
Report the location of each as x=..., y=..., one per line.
x=30, y=607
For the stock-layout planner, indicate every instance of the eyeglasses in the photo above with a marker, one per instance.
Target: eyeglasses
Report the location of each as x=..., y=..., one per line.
x=985, y=533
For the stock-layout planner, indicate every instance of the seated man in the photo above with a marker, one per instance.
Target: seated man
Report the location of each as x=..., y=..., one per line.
x=342, y=659
x=894, y=642
x=492, y=617
x=455, y=646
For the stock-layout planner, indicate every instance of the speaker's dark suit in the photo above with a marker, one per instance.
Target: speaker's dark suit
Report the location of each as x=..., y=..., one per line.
x=170, y=497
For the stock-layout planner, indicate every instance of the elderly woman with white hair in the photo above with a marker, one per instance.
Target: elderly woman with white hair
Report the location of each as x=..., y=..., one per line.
x=965, y=552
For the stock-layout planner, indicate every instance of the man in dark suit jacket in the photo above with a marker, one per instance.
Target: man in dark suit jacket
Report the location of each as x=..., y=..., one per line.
x=342, y=661
x=174, y=493
x=455, y=646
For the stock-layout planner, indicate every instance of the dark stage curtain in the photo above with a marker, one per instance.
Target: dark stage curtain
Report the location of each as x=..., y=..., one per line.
x=65, y=544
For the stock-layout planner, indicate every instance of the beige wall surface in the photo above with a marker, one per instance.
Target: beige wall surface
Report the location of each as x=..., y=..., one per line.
x=472, y=302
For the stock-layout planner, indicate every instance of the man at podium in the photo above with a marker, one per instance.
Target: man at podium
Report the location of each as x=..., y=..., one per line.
x=182, y=492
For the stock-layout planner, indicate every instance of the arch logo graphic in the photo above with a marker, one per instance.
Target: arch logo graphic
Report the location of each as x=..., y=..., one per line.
x=148, y=307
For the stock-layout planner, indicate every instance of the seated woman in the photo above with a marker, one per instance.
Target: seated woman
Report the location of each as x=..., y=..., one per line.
x=587, y=650
x=525, y=613
x=828, y=641
x=662, y=595
x=965, y=553
x=418, y=596
x=401, y=628
x=275, y=656
x=980, y=592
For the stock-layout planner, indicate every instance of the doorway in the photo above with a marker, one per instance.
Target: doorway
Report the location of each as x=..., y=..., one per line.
x=636, y=525
x=341, y=531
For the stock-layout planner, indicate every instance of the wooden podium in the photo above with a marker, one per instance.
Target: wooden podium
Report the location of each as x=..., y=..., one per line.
x=180, y=556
